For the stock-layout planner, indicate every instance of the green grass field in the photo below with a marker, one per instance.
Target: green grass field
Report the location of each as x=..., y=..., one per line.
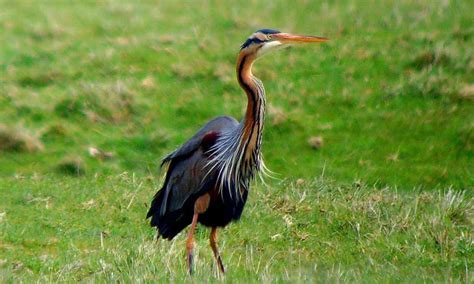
x=387, y=197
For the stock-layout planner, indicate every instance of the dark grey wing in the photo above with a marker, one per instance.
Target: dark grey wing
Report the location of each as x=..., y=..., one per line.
x=217, y=124
x=184, y=179
x=171, y=208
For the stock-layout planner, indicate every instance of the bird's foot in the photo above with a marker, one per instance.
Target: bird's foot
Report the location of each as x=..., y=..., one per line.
x=220, y=264
x=190, y=263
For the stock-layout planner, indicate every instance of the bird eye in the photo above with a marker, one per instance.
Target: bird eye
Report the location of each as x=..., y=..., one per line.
x=269, y=36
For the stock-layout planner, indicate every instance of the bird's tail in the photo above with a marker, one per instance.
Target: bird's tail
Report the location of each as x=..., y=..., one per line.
x=155, y=208
x=169, y=224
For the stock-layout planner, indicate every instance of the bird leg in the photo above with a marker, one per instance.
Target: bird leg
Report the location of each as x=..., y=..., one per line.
x=213, y=242
x=200, y=206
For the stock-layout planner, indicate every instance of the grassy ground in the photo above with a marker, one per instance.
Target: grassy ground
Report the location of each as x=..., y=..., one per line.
x=96, y=90
x=84, y=229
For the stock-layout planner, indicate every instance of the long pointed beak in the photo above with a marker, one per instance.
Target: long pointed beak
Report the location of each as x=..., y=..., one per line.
x=291, y=38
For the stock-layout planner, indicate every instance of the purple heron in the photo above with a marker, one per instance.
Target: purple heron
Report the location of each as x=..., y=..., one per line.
x=208, y=177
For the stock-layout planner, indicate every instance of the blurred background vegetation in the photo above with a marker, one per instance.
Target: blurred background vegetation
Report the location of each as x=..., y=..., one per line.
x=113, y=86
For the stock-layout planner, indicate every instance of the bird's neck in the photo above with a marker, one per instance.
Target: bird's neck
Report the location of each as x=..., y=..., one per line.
x=236, y=155
x=252, y=123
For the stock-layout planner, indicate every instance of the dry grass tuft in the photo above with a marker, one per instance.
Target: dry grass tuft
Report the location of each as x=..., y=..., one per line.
x=465, y=137
x=463, y=34
x=183, y=71
x=277, y=115
x=431, y=58
x=394, y=157
x=18, y=140
x=99, y=103
x=424, y=84
x=467, y=92
x=2, y=218
x=148, y=83
x=100, y=154
x=54, y=131
x=72, y=165
x=39, y=80
x=224, y=72
x=316, y=142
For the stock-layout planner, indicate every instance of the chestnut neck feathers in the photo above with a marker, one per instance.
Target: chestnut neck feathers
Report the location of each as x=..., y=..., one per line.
x=236, y=153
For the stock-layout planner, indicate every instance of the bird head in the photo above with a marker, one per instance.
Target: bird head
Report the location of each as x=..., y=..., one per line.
x=266, y=40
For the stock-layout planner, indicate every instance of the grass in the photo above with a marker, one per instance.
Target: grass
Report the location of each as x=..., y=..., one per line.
x=81, y=229
x=372, y=135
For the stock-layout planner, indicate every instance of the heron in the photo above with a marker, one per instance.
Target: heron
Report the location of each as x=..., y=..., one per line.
x=207, y=178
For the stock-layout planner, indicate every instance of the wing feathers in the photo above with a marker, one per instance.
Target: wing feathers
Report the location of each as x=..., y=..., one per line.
x=184, y=180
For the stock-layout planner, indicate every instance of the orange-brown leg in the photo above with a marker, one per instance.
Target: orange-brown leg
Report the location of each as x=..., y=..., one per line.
x=213, y=241
x=190, y=243
x=200, y=206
